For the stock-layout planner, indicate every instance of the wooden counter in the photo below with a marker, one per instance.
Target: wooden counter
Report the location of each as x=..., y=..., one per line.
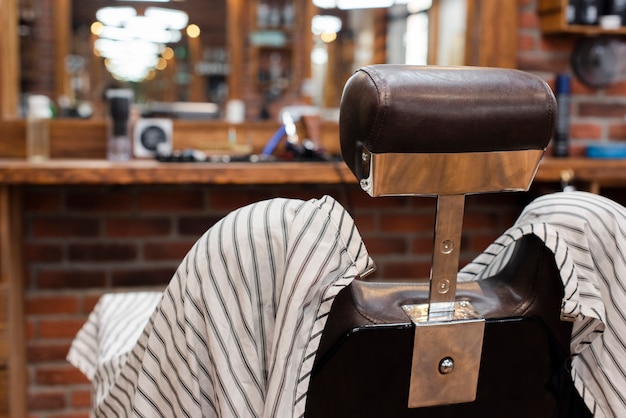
x=58, y=172
x=595, y=173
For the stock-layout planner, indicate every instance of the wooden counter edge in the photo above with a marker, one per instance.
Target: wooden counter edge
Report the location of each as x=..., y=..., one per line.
x=605, y=171
x=59, y=172
x=97, y=171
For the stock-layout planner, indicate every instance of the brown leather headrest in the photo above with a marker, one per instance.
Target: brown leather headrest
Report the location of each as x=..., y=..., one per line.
x=430, y=109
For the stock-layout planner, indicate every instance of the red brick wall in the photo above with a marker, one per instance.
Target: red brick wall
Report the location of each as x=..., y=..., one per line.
x=596, y=115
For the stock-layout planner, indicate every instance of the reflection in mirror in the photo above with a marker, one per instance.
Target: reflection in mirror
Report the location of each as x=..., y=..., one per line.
x=265, y=74
x=351, y=34
x=166, y=51
x=135, y=47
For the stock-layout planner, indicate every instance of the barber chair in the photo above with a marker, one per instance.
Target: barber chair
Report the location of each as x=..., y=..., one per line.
x=437, y=348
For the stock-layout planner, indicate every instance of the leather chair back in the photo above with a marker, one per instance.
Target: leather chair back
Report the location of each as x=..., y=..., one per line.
x=447, y=132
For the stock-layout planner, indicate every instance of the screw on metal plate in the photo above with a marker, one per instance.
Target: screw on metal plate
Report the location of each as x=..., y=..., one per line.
x=446, y=365
x=447, y=246
x=444, y=286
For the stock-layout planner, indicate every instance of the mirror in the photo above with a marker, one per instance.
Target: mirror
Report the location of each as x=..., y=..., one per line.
x=183, y=44
x=417, y=32
x=150, y=46
x=224, y=62
x=490, y=41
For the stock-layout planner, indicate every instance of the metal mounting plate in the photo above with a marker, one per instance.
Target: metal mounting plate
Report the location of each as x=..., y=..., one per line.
x=446, y=356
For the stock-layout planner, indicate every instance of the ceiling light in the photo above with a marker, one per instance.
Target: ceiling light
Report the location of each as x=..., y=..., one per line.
x=142, y=24
x=325, y=4
x=116, y=49
x=169, y=18
x=328, y=37
x=363, y=4
x=115, y=16
x=325, y=23
x=354, y=4
x=132, y=44
x=416, y=6
x=193, y=31
x=96, y=28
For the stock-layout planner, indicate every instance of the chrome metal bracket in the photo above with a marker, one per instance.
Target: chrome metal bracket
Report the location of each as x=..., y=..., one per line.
x=430, y=174
x=448, y=333
x=446, y=355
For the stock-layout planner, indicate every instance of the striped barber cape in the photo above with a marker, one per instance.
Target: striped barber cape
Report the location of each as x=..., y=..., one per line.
x=587, y=235
x=236, y=331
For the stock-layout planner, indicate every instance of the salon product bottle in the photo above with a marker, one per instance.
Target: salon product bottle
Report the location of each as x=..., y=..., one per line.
x=589, y=11
x=560, y=142
x=263, y=11
x=571, y=12
x=38, y=128
x=118, y=142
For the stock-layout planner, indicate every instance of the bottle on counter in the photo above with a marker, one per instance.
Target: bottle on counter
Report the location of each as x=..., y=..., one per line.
x=119, y=141
x=560, y=142
x=38, y=128
x=572, y=11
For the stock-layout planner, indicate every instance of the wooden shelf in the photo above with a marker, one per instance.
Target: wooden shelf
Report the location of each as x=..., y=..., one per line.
x=593, y=171
x=552, y=18
x=584, y=30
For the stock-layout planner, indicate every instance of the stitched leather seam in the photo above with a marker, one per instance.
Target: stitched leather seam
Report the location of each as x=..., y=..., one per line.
x=363, y=312
x=382, y=105
x=360, y=310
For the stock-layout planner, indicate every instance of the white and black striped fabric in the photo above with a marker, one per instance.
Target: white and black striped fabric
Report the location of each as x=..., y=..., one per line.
x=587, y=234
x=102, y=345
x=236, y=331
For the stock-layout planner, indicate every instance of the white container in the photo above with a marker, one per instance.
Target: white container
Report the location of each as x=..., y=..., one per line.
x=235, y=111
x=610, y=21
x=38, y=128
